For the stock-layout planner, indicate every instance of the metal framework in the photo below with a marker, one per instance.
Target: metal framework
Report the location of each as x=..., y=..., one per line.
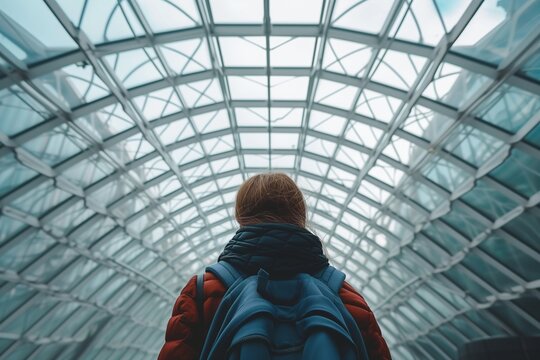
x=411, y=126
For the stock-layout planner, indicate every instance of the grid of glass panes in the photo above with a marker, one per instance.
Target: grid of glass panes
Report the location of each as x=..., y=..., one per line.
x=124, y=138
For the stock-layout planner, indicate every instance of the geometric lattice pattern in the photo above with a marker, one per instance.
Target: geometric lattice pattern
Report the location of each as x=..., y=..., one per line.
x=126, y=127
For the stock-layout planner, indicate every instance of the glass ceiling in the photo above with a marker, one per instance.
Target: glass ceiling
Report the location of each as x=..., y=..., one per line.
x=126, y=127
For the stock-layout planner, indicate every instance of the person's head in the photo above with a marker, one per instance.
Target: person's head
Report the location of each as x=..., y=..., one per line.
x=270, y=198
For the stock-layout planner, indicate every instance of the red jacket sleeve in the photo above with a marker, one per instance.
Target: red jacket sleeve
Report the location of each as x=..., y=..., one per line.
x=185, y=331
x=183, y=334
x=362, y=314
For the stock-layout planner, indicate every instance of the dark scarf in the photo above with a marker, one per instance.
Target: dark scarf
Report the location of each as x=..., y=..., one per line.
x=280, y=249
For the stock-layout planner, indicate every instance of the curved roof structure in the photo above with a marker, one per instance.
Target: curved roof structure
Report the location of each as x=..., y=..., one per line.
x=126, y=127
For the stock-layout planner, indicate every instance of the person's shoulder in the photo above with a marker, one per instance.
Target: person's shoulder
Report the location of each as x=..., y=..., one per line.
x=213, y=288
x=351, y=297
x=190, y=288
x=212, y=285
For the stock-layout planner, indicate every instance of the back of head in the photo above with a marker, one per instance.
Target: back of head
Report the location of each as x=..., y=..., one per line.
x=270, y=198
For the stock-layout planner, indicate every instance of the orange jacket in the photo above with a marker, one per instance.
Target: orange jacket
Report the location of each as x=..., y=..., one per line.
x=185, y=332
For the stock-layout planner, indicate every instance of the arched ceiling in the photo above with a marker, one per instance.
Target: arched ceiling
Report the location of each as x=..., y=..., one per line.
x=126, y=127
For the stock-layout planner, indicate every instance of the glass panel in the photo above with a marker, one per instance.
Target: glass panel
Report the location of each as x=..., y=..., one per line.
x=201, y=93
x=13, y=296
x=346, y=57
x=421, y=21
x=74, y=85
x=472, y=145
x=481, y=320
x=335, y=94
x=441, y=236
x=326, y=123
x=19, y=254
x=398, y=69
x=9, y=227
x=110, y=245
x=406, y=211
x=513, y=319
x=299, y=11
x=363, y=134
x=106, y=122
x=49, y=266
x=19, y=110
x=131, y=149
x=497, y=29
x=257, y=161
x=525, y=229
x=32, y=32
x=237, y=11
x=423, y=194
x=54, y=319
x=488, y=271
x=158, y=104
x=23, y=351
x=88, y=171
x=40, y=199
x=57, y=145
x=254, y=140
x=243, y=51
x=488, y=200
x=111, y=20
x=534, y=136
x=186, y=57
x=509, y=108
x=74, y=274
x=426, y=123
x=430, y=252
x=531, y=67
x=288, y=87
x=290, y=52
x=453, y=85
x=290, y=117
x=519, y=172
x=175, y=131
x=470, y=286
x=377, y=106
x=211, y=121
x=464, y=222
x=110, y=288
x=136, y=67
x=365, y=16
x=13, y=173
x=93, y=283
x=508, y=253
x=403, y=151
x=284, y=141
x=187, y=154
x=248, y=87
x=386, y=173
x=69, y=218
x=351, y=157
x=170, y=15
x=446, y=174
x=96, y=227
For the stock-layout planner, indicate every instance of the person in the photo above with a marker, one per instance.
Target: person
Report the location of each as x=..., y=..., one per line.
x=265, y=203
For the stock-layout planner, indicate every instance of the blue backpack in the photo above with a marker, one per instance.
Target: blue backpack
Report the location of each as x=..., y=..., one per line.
x=301, y=317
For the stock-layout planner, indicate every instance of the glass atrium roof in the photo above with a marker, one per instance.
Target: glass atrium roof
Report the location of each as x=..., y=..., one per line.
x=126, y=127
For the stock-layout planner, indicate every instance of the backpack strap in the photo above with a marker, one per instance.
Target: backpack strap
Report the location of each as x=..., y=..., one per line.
x=199, y=296
x=225, y=272
x=332, y=277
